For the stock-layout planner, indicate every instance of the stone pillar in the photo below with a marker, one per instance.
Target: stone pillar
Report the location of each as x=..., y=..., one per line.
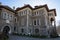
x=27, y=20
x=54, y=23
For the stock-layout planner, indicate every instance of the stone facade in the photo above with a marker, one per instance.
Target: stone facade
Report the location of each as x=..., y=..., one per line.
x=27, y=20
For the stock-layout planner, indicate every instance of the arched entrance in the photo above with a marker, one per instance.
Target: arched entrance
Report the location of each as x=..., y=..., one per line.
x=6, y=29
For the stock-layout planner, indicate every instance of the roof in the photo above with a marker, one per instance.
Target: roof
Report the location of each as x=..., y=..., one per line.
x=41, y=6
x=7, y=7
x=17, y=9
x=25, y=6
x=54, y=11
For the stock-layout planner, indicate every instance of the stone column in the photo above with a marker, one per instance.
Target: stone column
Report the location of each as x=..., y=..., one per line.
x=27, y=20
x=54, y=23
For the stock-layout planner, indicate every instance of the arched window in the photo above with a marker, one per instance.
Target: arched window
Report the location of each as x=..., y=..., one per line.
x=6, y=29
x=15, y=19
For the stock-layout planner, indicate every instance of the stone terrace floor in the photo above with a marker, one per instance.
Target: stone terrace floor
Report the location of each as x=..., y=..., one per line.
x=14, y=37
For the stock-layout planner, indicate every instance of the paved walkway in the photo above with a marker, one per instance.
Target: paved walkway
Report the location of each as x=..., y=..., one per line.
x=13, y=37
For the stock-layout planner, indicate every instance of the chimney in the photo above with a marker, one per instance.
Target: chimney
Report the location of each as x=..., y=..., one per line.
x=36, y=6
x=13, y=7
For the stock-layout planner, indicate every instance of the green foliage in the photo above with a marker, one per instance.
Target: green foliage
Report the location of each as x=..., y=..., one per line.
x=3, y=36
x=37, y=36
x=34, y=36
x=54, y=34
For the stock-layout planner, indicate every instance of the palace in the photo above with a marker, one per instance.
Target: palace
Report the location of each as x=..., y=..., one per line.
x=27, y=20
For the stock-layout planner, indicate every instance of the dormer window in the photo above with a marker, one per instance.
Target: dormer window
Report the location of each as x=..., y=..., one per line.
x=15, y=19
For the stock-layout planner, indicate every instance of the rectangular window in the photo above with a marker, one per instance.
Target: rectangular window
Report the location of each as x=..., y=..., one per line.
x=4, y=15
x=29, y=12
x=34, y=22
x=41, y=12
x=15, y=28
x=36, y=13
x=21, y=13
x=25, y=12
x=37, y=22
x=8, y=16
x=16, y=20
x=50, y=14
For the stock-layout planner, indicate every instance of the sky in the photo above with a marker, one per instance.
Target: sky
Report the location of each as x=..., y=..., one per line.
x=52, y=4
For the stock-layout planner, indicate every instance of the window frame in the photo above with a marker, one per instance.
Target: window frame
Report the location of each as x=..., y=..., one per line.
x=36, y=22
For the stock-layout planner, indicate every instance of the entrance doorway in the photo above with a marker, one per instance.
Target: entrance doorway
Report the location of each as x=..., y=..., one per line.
x=6, y=29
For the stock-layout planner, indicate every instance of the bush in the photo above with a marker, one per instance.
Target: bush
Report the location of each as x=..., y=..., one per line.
x=34, y=36
x=37, y=36
x=3, y=36
x=54, y=36
x=43, y=36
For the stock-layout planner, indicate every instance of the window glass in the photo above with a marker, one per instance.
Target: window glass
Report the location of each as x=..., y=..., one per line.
x=14, y=28
x=21, y=13
x=25, y=12
x=34, y=22
x=15, y=19
x=38, y=22
x=4, y=15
